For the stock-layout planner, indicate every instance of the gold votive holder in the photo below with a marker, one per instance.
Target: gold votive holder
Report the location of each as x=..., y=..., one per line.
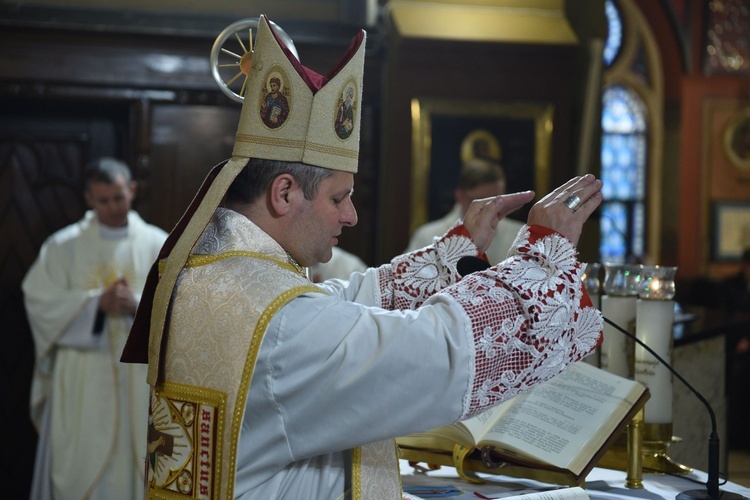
x=656, y=440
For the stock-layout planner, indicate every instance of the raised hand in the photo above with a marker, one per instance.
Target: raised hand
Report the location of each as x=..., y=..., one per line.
x=483, y=215
x=567, y=208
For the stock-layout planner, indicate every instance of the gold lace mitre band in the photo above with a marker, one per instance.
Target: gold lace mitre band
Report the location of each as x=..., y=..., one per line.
x=292, y=114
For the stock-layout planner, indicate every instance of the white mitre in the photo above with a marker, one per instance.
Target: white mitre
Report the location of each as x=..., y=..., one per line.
x=311, y=118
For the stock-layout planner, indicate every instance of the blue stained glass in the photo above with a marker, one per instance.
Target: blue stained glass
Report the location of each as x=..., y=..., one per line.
x=623, y=157
x=622, y=111
x=622, y=166
x=614, y=33
x=613, y=232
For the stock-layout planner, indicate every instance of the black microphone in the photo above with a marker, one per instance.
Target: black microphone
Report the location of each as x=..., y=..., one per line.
x=470, y=264
x=712, y=491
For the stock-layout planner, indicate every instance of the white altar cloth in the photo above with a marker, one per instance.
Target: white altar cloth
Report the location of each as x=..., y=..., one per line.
x=600, y=484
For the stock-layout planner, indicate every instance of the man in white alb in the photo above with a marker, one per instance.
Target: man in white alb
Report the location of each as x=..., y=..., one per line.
x=80, y=295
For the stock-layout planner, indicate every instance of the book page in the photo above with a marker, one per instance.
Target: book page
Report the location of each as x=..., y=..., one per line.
x=572, y=493
x=565, y=420
x=479, y=425
x=467, y=432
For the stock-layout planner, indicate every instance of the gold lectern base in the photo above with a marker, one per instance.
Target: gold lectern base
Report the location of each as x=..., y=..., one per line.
x=656, y=460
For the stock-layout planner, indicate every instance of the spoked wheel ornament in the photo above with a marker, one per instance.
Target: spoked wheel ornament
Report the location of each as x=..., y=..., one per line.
x=232, y=53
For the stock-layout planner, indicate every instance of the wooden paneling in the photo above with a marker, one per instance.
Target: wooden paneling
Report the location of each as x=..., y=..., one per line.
x=186, y=141
x=699, y=186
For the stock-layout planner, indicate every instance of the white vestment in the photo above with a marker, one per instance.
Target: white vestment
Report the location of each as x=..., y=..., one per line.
x=395, y=350
x=87, y=406
x=505, y=234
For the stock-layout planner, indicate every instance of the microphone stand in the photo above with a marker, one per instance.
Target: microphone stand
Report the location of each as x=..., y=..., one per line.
x=712, y=491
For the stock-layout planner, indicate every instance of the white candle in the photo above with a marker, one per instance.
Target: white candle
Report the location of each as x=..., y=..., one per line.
x=616, y=350
x=654, y=328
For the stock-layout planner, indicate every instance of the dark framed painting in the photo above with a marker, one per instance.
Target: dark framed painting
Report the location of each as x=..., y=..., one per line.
x=447, y=132
x=731, y=230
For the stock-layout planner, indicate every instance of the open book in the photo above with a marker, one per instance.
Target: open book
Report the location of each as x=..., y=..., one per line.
x=565, y=424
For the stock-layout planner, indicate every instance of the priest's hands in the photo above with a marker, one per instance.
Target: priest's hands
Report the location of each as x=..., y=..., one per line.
x=566, y=208
x=118, y=299
x=483, y=215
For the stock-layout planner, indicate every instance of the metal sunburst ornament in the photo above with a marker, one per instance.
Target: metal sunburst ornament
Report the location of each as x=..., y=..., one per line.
x=231, y=56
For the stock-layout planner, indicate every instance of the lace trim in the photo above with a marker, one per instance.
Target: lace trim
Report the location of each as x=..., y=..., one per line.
x=527, y=319
x=420, y=274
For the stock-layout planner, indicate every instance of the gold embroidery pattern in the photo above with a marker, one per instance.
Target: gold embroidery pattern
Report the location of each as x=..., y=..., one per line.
x=379, y=471
x=252, y=356
x=184, y=444
x=203, y=260
x=277, y=142
x=322, y=148
x=214, y=322
x=357, y=473
x=270, y=141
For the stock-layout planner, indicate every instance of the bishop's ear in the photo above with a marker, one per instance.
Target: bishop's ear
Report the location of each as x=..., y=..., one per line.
x=284, y=191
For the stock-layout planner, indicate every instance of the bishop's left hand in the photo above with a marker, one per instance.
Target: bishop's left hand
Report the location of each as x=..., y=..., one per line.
x=483, y=215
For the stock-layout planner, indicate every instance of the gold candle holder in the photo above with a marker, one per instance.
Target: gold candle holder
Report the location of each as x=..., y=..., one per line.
x=656, y=460
x=634, y=470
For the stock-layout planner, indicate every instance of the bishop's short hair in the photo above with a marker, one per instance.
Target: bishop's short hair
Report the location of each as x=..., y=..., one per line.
x=253, y=181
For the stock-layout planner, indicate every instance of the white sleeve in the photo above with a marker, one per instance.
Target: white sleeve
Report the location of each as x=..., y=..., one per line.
x=80, y=333
x=52, y=304
x=358, y=374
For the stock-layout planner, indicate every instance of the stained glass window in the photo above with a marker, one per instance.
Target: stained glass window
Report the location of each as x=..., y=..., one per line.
x=623, y=157
x=614, y=33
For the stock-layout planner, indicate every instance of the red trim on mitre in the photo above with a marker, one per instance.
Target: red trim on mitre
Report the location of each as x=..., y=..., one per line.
x=314, y=80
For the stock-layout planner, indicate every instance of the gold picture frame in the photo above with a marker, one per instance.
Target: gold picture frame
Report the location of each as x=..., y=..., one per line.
x=737, y=139
x=731, y=224
x=443, y=132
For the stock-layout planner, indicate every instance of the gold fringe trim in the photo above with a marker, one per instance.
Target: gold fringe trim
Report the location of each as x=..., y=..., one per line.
x=197, y=260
